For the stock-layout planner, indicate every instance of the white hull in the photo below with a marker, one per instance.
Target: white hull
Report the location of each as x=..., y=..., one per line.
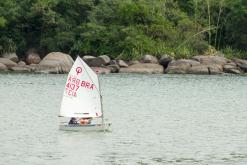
x=85, y=128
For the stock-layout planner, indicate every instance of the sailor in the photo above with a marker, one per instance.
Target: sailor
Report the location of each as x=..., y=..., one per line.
x=73, y=121
x=85, y=121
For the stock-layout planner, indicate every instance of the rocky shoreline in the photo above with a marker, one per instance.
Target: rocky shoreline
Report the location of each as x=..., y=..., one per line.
x=60, y=63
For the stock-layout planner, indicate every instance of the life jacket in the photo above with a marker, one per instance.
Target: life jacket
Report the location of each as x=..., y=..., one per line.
x=84, y=121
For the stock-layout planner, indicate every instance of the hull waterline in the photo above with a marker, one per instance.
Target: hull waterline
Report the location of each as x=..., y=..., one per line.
x=85, y=128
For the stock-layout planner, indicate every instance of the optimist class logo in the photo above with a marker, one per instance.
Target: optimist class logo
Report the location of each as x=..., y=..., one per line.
x=78, y=70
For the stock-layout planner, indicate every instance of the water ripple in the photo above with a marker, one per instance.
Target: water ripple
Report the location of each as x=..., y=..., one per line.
x=157, y=119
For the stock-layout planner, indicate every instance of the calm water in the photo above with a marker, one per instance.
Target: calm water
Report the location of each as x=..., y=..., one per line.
x=157, y=119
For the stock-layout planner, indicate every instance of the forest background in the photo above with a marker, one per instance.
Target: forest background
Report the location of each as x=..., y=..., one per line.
x=125, y=29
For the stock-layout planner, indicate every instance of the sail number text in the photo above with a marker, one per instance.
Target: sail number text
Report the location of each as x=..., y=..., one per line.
x=73, y=84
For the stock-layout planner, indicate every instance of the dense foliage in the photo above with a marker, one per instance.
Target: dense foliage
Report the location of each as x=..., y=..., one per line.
x=124, y=29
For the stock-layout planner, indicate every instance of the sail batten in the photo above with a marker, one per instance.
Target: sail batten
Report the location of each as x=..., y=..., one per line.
x=81, y=94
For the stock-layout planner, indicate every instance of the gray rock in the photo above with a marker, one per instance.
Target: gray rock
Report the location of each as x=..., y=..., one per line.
x=243, y=67
x=50, y=66
x=228, y=68
x=113, y=62
x=7, y=62
x=210, y=60
x=100, y=61
x=122, y=63
x=179, y=67
x=21, y=63
x=55, y=62
x=232, y=64
x=133, y=62
x=3, y=67
x=234, y=71
x=191, y=62
x=33, y=58
x=20, y=69
x=143, y=68
x=242, y=64
x=239, y=61
x=88, y=59
x=101, y=70
x=149, y=59
x=165, y=60
x=199, y=69
x=11, y=56
x=114, y=68
x=215, y=69
x=32, y=67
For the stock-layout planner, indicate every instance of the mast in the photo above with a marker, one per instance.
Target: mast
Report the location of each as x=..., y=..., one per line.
x=102, y=119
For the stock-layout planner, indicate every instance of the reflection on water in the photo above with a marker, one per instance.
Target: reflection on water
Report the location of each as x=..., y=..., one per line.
x=157, y=119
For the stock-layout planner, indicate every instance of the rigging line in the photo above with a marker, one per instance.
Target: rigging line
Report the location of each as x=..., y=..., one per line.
x=90, y=76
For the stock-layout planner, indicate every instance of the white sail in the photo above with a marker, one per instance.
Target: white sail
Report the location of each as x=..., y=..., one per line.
x=81, y=94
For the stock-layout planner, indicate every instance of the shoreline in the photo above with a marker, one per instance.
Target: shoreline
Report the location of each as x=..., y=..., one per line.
x=60, y=63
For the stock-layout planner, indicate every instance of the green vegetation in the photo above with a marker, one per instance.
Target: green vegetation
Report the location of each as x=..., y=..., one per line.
x=124, y=29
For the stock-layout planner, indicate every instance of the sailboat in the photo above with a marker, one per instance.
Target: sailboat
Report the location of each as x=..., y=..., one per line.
x=82, y=99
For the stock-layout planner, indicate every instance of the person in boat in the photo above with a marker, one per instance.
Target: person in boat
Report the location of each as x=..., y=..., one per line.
x=85, y=121
x=73, y=121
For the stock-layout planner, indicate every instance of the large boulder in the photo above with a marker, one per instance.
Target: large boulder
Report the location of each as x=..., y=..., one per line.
x=232, y=64
x=100, y=61
x=165, y=60
x=88, y=59
x=11, y=56
x=20, y=69
x=7, y=62
x=55, y=62
x=101, y=70
x=33, y=58
x=215, y=69
x=180, y=66
x=231, y=68
x=122, y=63
x=210, y=60
x=143, y=68
x=3, y=67
x=206, y=69
x=199, y=69
x=239, y=61
x=149, y=59
x=242, y=64
x=50, y=66
x=244, y=68
x=191, y=62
